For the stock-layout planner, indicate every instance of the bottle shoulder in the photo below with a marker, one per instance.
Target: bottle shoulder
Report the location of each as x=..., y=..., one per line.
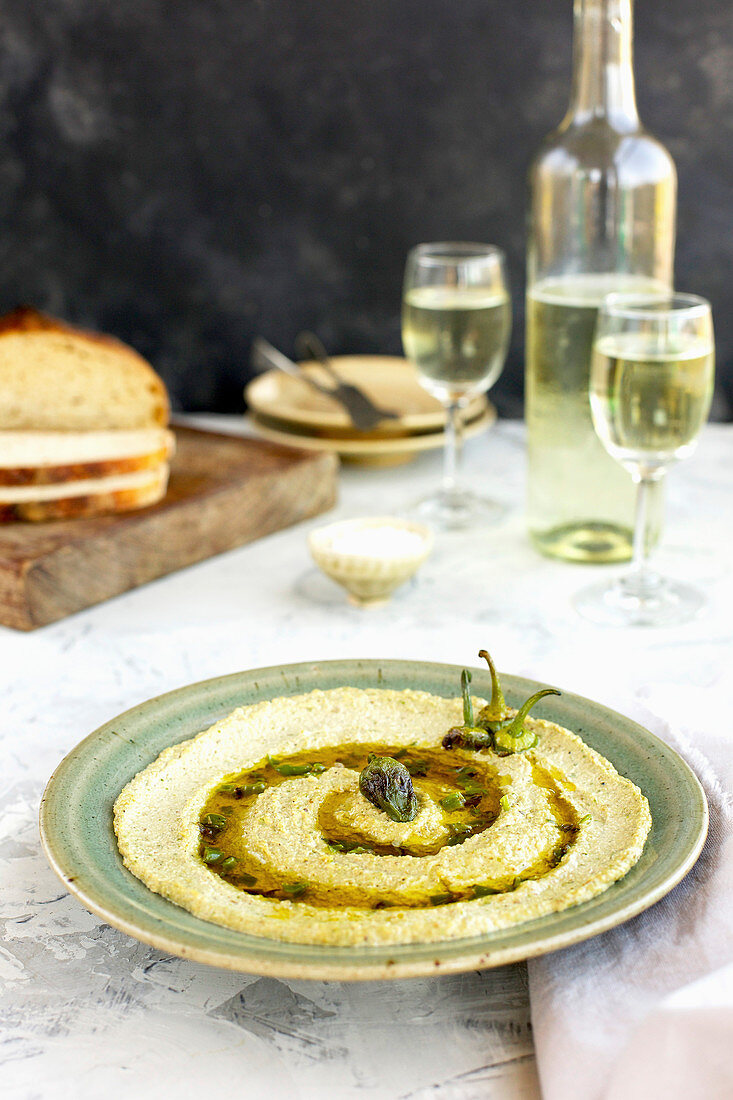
x=596, y=145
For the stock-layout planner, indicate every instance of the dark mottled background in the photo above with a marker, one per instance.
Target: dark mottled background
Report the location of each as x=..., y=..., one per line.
x=185, y=173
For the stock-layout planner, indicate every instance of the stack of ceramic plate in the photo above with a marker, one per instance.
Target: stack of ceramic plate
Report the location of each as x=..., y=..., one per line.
x=287, y=410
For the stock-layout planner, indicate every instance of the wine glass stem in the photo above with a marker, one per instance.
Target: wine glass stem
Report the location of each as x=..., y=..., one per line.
x=453, y=450
x=641, y=579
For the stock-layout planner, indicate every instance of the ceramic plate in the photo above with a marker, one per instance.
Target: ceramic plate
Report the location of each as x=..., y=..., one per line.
x=369, y=449
x=388, y=380
x=76, y=826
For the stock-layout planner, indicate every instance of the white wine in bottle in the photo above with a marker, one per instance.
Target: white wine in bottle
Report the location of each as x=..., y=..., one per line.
x=602, y=219
x=581, y=502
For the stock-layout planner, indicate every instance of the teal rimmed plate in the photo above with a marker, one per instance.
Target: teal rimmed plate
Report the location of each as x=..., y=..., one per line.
x=77, y=834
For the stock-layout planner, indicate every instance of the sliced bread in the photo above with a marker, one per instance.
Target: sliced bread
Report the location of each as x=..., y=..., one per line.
x=43, y=458
x=91, y=497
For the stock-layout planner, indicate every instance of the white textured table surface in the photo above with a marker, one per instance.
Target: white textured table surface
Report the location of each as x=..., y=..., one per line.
x=86, y=1012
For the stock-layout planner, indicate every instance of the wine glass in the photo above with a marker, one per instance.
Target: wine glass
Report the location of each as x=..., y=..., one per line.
x=456, y=322
x=651, y=386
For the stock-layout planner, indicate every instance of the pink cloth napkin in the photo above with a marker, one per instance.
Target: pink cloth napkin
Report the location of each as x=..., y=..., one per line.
x=616, y=1017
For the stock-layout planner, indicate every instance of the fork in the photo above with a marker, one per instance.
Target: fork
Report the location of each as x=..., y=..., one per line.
x=362, y=411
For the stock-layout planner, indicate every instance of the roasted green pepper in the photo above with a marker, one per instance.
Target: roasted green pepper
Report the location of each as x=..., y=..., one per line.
x=469, y=735
x=388, y=786
x=512, y=736
x=496, y=711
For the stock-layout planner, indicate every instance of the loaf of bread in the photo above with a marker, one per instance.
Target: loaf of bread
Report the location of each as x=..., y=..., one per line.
x=82, y=422
x=54, y=377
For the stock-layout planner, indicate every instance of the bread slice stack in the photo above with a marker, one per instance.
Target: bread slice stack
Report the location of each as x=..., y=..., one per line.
x=83, y=422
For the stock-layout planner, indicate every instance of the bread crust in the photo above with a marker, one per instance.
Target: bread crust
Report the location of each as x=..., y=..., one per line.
x=94, y=504
x=28, y=319
x=25, y=320
x=81, y=471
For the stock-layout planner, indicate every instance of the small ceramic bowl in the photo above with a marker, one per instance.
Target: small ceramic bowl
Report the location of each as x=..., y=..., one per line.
x=370, y=557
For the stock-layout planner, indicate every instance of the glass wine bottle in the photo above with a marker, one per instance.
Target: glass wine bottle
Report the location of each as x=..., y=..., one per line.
x=601, y=219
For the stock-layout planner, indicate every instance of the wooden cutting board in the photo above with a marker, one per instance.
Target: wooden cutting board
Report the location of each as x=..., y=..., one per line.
x=224, y=491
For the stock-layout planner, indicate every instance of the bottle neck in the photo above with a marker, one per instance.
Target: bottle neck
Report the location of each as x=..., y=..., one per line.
x=603, y=69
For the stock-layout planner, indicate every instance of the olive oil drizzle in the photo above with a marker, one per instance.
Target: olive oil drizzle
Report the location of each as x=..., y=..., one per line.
x=469, y=786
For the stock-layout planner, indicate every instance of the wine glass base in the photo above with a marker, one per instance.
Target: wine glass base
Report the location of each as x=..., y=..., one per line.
x=455, y=509
x=661, y=603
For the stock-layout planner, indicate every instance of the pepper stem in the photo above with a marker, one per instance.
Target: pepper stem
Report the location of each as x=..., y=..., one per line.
x=496, y=710
x=467, y=704
x=514, y=729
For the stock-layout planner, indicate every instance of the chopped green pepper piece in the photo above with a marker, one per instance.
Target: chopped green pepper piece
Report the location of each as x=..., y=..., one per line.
x=452, y=802
x=480, y=891
x=295, y=889
x=216, y=821
x=212, y=855
x=417, y=767
x=466, y=775
x=558, y=854
x=229, y=862
x=249, y=789
x=459, y=832
x=290, y=769
x=441, y=899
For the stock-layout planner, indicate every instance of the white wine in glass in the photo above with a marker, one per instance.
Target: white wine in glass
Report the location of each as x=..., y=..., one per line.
x=456, y=323
x=650, y=398
x=652, y=373
x=457, y=337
